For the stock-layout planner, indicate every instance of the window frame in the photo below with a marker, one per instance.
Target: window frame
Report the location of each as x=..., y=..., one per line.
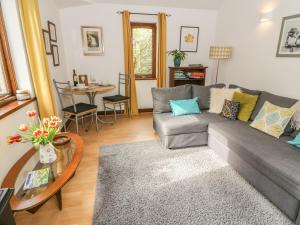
x=154, y=37
x=7, y=64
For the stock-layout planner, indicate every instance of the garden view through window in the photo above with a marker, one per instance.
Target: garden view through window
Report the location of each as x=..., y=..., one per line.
x=144, y=50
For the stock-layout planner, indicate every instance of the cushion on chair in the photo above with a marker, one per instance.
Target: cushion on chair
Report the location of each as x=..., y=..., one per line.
x=116, y=98
x=80, y=107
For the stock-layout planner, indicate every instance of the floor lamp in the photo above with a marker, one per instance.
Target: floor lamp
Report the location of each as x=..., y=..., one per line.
x=217, y=52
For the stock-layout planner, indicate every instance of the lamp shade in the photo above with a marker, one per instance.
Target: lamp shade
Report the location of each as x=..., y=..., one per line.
x=217, y=52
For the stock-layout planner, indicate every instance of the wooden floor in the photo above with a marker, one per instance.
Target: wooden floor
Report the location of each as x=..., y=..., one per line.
x=79, y=193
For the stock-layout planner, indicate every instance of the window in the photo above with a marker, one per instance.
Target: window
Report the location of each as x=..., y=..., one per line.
x=8, y=84
x=144, y=50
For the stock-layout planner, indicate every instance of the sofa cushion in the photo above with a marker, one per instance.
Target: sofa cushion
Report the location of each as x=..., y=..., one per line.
x=185, y=107
x=274, y=99
x=230, y=109
x=272, y=119
x=162, y=96
x=245, y=90
x=248, y=103
x=218, y=97
x=167, y=124
x=272, y=157
x=203, y=94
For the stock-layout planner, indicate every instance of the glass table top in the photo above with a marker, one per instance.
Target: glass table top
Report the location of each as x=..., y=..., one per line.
x=64, y=154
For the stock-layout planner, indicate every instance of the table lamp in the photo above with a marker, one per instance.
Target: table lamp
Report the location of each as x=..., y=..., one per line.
x=217, y=52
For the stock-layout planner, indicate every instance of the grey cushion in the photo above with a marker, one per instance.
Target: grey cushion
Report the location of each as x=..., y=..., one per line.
x=272, y=157
x=167, y=124
x=274, y=99
x=203, y=94
x=245, y=90
x=161, y=97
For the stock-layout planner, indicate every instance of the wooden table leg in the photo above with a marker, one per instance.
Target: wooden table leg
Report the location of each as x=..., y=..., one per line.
x=59, y=199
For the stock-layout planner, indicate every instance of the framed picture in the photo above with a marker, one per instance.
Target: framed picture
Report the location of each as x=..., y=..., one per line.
x=52, y=31
x=289, y=40
x=47, y=43
x=83, y=79
x=92, y=40
x=189, y=39
x=55, y=55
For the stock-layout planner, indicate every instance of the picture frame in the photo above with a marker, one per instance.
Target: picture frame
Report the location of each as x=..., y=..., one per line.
x=92, y=40
x=189, y=39
x=55, y=55
x=52, y=31
x=47, y=43
x=83, y=79
x=289, y=39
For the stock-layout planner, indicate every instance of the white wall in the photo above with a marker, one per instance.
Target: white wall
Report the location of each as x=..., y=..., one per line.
x=9, y=154
x=254, y=63
x=49, y=11
x=107, y=67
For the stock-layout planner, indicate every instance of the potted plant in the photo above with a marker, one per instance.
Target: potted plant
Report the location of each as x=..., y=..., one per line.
x=40, y=133
x=178, y=56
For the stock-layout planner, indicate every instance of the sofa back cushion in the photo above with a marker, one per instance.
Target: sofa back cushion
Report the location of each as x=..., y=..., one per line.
x=203, y=94
x=245, y=90
x=162, y=96
x=274, y=99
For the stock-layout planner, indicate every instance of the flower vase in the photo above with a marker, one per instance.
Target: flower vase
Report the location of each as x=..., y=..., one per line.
x=47, y=154
x=177, y=62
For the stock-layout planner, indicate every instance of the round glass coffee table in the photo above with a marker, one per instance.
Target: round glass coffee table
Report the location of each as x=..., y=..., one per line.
x=60, y=172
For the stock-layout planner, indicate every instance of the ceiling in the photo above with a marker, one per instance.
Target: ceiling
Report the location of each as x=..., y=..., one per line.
x=198, y=4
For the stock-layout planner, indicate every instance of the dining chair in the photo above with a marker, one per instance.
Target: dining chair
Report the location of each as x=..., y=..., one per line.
x=74, y=111
x=122, y=99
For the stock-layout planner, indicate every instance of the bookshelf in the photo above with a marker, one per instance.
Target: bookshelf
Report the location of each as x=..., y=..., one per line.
x=178, y=75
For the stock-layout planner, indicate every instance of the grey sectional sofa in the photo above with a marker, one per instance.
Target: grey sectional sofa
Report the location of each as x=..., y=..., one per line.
x=271, y=165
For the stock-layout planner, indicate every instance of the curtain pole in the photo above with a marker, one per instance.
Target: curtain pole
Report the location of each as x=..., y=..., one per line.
x=145, y=14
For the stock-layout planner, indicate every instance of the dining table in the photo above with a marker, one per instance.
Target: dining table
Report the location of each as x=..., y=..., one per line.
x=91, y=91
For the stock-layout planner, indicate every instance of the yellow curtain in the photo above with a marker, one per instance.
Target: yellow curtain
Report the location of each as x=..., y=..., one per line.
x=128, y=60
x=162, y=50
x=31, y=23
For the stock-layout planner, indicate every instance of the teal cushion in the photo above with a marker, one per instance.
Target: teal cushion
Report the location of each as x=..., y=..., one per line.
x=185, y=107
x=296, y=141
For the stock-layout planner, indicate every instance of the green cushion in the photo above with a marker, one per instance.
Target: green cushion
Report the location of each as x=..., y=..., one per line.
x=185, y=107
x=247, y=104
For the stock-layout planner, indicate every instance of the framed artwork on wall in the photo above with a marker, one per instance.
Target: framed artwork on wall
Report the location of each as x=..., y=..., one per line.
x=52, y=31
x=92, y=40
x=47, y=42
x=189, y=39
x=289, y=40
x=55, y=55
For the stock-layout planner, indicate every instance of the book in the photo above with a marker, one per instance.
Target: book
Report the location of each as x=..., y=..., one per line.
x=36, y=178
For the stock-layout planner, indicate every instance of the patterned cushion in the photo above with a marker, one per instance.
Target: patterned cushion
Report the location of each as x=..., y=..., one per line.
x=230, y=109
x=272, y=119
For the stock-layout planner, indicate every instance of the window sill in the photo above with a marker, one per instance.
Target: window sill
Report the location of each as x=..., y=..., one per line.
x=13, y=106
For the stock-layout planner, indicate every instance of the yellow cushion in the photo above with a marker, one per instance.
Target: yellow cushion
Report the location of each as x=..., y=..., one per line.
x=272, y=119
x=247, y=104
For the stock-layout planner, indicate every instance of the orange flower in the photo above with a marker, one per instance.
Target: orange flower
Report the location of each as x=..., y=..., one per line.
x=23, y=127
x=55, y=118
x=13, y=139
x=38, y=133
x=31, y=113
x=46, y=121
x=53, y=124
x=45, y=133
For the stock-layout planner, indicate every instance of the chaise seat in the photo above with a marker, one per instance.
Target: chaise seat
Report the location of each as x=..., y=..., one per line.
x=274, y=158
x=191, y=128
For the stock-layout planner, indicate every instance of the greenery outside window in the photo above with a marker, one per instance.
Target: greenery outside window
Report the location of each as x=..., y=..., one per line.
x=8, y=84
x=144, y=50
